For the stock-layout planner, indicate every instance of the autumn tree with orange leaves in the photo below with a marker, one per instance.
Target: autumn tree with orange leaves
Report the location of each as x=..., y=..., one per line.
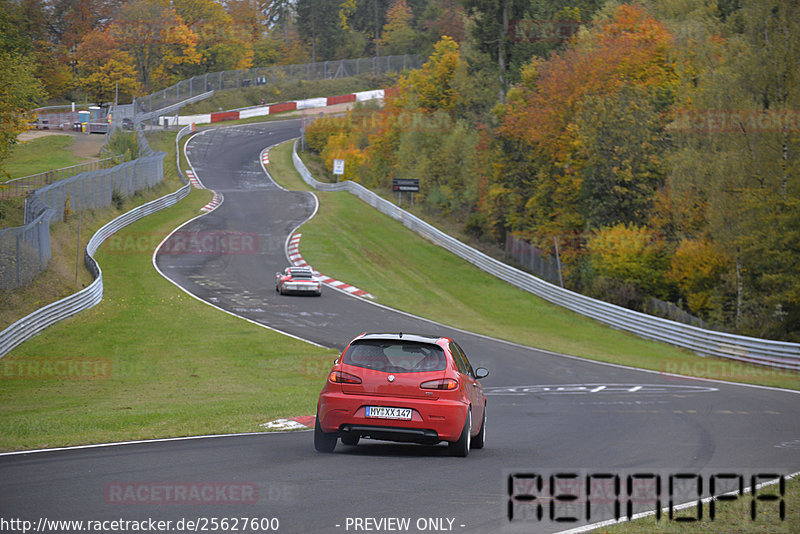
x=156, y=37
x=580, y=137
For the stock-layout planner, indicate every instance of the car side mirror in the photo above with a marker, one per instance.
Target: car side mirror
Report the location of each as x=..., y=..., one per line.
x=336, y=361
x=481, y=372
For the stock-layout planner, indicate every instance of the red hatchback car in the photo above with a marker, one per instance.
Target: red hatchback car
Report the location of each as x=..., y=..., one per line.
x=402, y=387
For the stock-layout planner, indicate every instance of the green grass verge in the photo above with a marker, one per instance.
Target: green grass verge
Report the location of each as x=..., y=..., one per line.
x=32, y=157
x=152, y=361
x=40, y=155
x=353, y=242
x=60, y=279
x=730, y=517
x=406, y=272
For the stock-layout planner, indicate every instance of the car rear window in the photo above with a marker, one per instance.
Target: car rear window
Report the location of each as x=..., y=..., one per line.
x=305, y=275
x=395, y=356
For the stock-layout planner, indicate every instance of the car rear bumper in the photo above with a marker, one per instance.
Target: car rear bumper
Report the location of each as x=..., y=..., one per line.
x=431, y=421
x=412, y=435
x=305, y=289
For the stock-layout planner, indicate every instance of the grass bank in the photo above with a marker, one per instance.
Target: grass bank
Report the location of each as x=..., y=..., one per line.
x=150, y=361
x=353, y=242
x=66, y=273
x=40, y=155
x=730, y=517
x=37, y=155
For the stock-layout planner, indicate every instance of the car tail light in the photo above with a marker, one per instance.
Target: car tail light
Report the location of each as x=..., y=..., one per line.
x=444, y=383
x=340, y=377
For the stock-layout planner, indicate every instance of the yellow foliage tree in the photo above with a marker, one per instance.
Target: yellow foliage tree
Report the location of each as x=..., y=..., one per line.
x=104, y=69
x=434, y=86
x=157, y=39
x=398, y=35
x=629, y=253
x=696, y=269
x=339, y=146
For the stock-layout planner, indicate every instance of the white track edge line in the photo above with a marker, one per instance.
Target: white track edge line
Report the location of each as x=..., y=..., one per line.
x=155, y=266
x=176, y=284
x=683, y=506
x=145, y=441
x=552, y=353
x=155, y=253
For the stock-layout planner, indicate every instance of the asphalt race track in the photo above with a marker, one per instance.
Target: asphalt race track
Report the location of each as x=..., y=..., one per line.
x=547, y=413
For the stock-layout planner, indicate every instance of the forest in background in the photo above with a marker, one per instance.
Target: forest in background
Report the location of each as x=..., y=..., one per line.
x=657, y=140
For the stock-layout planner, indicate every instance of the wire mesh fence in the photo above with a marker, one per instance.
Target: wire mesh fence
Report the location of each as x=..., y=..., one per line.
x=19, y=187
x=98, y=189
x=25, y=250
x=236, y=79
x=669, y=310
x=532, y=259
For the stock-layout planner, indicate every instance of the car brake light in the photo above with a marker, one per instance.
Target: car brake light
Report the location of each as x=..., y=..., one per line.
x=340, y=377
x=444, y=383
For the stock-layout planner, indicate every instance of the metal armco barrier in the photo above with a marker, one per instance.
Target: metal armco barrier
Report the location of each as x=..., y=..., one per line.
x=25, y=250
x=29, y=326
x=777, y=354
x=32, y=324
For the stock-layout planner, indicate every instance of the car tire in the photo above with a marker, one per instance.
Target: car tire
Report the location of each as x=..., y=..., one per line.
x=350, y=439
x=480, y=440
x=323, y=441
x=460, y=448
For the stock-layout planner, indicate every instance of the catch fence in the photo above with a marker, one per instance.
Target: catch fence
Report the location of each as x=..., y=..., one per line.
x=37, y=321
x=236, y=79
x=25, y=250
x=533, y=259
x=19, y=187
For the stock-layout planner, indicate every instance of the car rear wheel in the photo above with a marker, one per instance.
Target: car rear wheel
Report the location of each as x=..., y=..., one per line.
x=323, y=441
x=350, y=439
x=480, y=440
x=460, y=448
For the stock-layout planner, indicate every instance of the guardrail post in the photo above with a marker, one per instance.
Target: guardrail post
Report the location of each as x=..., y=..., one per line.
x=18, y=259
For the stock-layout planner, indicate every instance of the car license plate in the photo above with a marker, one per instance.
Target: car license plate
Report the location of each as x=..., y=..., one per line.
x=385, y=412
